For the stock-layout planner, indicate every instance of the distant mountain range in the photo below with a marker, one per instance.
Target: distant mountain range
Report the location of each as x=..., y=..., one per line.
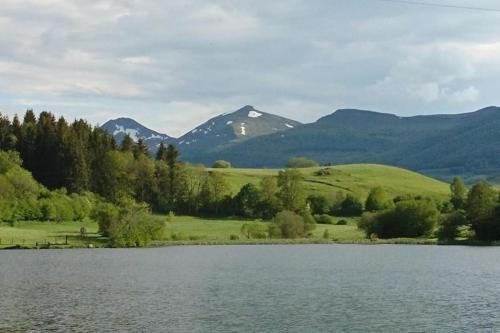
x=123, y=126
x=438, y=145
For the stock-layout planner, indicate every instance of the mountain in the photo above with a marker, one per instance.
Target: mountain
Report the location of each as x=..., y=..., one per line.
x=438, y=145
x=122, y=126
x=229, y=129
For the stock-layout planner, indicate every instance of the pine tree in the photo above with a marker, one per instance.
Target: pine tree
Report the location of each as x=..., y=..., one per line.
x=127, y=143
x=161, y=154
x=140, y=148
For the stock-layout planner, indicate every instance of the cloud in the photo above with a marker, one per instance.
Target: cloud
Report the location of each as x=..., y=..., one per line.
x=173, y=64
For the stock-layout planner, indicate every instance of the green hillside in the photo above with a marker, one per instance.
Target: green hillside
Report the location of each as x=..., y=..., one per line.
x=354, y=178
x=437, y=145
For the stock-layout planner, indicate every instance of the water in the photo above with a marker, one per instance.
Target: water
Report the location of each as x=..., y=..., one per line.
x=298, y=288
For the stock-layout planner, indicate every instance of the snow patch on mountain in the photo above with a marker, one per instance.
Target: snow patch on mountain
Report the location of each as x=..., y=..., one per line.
x=243, y=129
x=254, y=114
x=133, y=133
x=289, y=126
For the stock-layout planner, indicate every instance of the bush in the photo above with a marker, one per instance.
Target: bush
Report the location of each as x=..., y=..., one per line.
x=351, y=206
x=221, y=164
x=377, y=200
x=254, y=230
x=323, y=219
x=301, y=162
x=287, y=224
x=326, y=234
x=135, y=226
x=318, y=204
x=234, y=237
x=323, y=172
x=342, y=222
x=410, y=218
x=104, y=214
x=449, y=228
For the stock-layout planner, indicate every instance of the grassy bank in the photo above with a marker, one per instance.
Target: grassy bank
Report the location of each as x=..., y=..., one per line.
x=187, y=230
x=180, y=230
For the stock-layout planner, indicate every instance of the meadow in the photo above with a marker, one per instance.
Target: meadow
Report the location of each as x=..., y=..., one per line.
x=356, y=179
x=179, y=229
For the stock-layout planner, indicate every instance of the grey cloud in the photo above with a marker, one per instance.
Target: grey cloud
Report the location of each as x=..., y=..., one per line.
x=172, y=64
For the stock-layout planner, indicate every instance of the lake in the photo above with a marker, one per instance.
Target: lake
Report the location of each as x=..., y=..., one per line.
x=295, y=288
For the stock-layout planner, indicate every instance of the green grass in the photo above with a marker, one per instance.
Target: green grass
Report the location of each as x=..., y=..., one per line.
x=358, y=179
x=192, y=228
x=27, y=234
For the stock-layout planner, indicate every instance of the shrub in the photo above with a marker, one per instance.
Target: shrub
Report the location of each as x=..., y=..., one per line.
x=351, y=206
x=323, y=172
x=323, y=219
x=301, y=162
x=104, y=214
x=221, y=164
x=449, y=228
x=254, y=230
x=318, y=204
x=410, y=218
x=234, y=237
x=287, y=224
x=342, y=222
x=135, y=226
x=326, y=234
x=377, y=200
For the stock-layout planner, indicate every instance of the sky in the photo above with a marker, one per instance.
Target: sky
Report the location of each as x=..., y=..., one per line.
x=173, y=64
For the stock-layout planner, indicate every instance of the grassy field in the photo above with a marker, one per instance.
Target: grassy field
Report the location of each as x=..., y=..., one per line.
x=179, y=229
x=358, y=179
x=27, y=234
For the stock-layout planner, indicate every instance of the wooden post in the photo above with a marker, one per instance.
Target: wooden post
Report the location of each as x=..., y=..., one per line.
x=66, y=239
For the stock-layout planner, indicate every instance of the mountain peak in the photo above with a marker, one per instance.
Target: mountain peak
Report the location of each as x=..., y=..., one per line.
x=242, y=124
x=120, y=127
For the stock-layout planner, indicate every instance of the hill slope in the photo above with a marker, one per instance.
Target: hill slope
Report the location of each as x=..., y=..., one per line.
x=442, y=145
x=122, y=126
x=357, y=179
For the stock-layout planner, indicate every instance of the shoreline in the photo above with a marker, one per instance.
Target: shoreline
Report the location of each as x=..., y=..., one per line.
x=159, y=244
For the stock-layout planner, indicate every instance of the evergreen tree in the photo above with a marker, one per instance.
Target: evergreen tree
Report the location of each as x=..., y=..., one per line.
x=140, y=149
x=171, y=158
x=161, y=154
x=127, y=143
x=458, y=193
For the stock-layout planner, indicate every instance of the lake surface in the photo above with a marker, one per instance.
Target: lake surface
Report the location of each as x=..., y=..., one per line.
x=297, y=288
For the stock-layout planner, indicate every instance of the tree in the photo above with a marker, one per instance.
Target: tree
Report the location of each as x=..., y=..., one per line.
x=247, y=201
x=351, y=206
x=127, y=143
x=287, y=224
x=213, y=192
x=318, y=204
x=171, y=158
x=409, y=218
x=377, y=200
x=458, y=193
x=140, y=149
x=291, y=189
x=161, y=154
x=301, y=162
x=221, y=164
x=450, y=224
x=270, y=204
x=481, y=206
